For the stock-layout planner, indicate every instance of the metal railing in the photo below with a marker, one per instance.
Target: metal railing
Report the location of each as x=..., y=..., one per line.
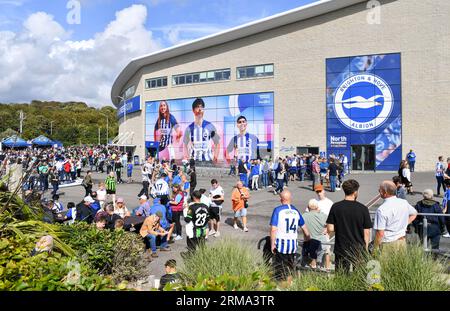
x=372, y=202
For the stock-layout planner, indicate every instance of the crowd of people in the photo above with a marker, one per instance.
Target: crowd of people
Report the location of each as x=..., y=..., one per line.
x=257, y=174
x=169, y=195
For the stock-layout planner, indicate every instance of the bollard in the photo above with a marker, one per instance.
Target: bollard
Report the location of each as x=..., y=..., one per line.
x=424, y=234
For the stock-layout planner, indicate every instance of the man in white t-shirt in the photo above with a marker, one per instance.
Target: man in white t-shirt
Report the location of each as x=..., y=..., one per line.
x=392, y=218
x=217, y=196
x=324, y=203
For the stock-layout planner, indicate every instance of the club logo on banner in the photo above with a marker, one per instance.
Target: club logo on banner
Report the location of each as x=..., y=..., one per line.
x=363, y=102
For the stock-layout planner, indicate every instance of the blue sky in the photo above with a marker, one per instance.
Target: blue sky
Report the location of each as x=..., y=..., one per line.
x=80, y=61
x=162, y=14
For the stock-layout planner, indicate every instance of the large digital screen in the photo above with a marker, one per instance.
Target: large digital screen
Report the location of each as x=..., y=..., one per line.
x=212, y=129
x=363, y=98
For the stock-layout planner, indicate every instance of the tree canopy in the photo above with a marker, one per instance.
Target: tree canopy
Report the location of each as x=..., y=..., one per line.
x=73, y=122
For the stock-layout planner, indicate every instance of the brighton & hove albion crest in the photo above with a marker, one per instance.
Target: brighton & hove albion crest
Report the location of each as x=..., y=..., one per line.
x=363, y=102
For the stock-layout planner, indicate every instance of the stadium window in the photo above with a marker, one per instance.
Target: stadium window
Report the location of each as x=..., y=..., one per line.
x=254, y=71
x=202, y=77
x=156, y=82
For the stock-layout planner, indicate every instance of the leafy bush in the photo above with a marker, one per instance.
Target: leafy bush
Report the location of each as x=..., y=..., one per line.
x=128, y=261
x=226, y=264
x=21, y=271
x=109, y=252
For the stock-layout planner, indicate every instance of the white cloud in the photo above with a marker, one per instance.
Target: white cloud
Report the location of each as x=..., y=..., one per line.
x=180, y=33
x=41, y=62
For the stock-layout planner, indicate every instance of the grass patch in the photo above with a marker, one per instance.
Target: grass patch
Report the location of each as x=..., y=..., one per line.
x=226, y=265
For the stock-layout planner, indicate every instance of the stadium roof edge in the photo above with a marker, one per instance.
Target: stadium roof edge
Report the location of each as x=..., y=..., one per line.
x=301, y=13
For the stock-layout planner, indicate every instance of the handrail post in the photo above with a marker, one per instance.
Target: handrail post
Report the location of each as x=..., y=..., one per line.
x=425, y=233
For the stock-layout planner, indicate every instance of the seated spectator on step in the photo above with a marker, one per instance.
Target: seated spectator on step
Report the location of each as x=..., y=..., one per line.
x=121, y=209
x=111, y=217
x=100, y=222
x=144, y=207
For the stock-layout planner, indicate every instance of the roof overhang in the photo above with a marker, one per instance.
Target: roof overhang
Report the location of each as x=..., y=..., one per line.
x=271, y=22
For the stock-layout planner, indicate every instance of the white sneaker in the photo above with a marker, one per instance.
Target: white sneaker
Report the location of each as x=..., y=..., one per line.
x=447, y=235
x=178, y=237
x=236, y=226
x=245, y=229
x=217, y=234
x=212, y=232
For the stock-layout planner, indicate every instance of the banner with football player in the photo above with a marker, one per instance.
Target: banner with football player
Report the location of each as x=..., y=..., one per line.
x=213, y=129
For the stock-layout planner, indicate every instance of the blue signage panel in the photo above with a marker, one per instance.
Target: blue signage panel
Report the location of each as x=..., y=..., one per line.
x=364, y=106
x=132, y=105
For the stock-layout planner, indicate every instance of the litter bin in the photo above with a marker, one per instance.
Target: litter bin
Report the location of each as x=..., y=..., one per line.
x=136, y=160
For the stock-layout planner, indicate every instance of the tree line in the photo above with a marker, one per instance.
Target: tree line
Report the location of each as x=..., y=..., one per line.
x=71, y=123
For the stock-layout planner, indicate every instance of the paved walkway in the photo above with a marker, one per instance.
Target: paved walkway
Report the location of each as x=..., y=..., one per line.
x=261, y=205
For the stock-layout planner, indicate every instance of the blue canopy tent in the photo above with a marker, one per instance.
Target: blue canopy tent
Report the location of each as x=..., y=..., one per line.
x=14, y=142
x=57, y=143
x=42, y=141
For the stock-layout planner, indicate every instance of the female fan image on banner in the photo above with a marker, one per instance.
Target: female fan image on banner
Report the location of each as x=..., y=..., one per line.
x=167, y=132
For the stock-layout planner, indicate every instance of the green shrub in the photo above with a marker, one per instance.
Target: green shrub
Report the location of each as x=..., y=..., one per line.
x=224, y=265
x=21, y=271
x=410, y=270
x=115, y=252
x=128, y=261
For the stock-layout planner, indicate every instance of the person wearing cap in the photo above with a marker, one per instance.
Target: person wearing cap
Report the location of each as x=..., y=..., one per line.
x=84, y=210
x=151, y=229
x=324, y=203
x=121, y=209
x=144, y=206
x=164, y=222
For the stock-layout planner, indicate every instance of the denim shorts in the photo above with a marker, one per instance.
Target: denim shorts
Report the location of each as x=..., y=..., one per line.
x=241, y=213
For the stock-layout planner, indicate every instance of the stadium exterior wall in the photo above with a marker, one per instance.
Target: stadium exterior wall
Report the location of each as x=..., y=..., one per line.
x=418, y=30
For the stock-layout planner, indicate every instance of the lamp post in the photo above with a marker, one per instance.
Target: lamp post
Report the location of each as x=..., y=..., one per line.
x=124, y=111
x=51, y=128
x=107, y=127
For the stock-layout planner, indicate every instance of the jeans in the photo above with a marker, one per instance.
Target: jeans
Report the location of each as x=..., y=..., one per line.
x=55, y=186
x=152, y=239
x=232, y=170
x=43, y=178
x=265, y=179
x=411, y=165
x=302, y=173
x=440, y=181
x=61, y=175
x=280, y=185
x=333, y=183
x=244, y=179
x=255, y=179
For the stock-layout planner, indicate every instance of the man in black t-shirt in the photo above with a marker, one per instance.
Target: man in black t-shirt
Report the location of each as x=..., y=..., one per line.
x=198, y=215
x=350, y=221
x=332, y=174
